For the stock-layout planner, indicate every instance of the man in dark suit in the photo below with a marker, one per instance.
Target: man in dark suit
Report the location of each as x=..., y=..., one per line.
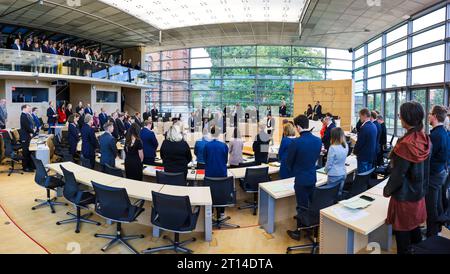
x=137, y=119
x=366, y=145
x=327, y=135
x=103, y=118
x=120, y=126
x=301, y=162
x=52, y=117
x=108, y=147
x=147, y=114
x=89, y=141
x=88, y=110
x=112, y=119
x=374, y=120
x=261, y=146
x=27, y=131
x=317, y=111
x=36, y=121
x=270, y=125
x=154, y=114
x=149, y=142
x=383, y=139
x=73, y=61
x=79, y=107
x=283, y=109
x=191, y=122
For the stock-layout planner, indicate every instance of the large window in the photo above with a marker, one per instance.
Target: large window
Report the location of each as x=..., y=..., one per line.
x=407, y=62
x=262, y=76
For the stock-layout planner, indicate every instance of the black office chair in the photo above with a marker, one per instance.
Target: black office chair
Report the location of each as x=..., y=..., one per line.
x=113, y=170
x=322, y=197
x=223, y=195
x=79, y=198
x=114, y=204
x=49, y=183
x=174, y=179
x=358, y=186
x=250, y=184
x=14, y=157
x=174, y=214
x=67, y=157
x=85, y=162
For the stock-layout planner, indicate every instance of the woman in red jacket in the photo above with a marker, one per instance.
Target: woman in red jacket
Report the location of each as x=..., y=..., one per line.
x=62, y=114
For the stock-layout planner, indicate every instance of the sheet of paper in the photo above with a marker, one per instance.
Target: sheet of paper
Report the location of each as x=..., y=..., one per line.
x=349, y=215
x=355, y=203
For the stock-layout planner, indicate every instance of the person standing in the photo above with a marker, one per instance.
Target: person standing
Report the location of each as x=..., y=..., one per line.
x=328, y=122
x=108, y=147
x=89, y=141
x=62, y=114
x=27, y=131
x=79, y=107
x=191, y=122
x=3, y=114
x=373, y=119
x=88, y=110
x=154, y=114
x=337, y=156
x=69, y=110
x=309, y=112
x=149, y=142
x=199, y=148
x=134, y=152
x=270, y=125
x=261, y=146
x=409, y=175
x=103, y=118
x=147, y=114
x=283, y=109
x=51, y=117
x=365, y=147
x=236, y=147
x=438, y=169
x=317, y=112
x=74, y=133
x=383, y=140
x=288, y=139
x=215, y=155
x=175, y=152
x=37, y=123
x=301, y=163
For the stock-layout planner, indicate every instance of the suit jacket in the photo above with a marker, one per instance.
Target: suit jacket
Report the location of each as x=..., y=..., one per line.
x=154, y=113
x=103, y=117
x=16, y=47
x=74, y=138
x=150, y=144
x=138, y=121
x=327, y=136
x=146, y=115
x=261, y=148
x=51, y=120
x=120, y=128
x=115, y=133
x=302, y=157
x=37, y=123
x=26, y=127
x=283, y=111
x=108, y=149
x=88, y=111
x=89, y=140
x=215, y=155
x=318, y=111
x=366, y=146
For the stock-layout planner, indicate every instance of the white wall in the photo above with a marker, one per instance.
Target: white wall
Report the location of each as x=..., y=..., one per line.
x=14, y=110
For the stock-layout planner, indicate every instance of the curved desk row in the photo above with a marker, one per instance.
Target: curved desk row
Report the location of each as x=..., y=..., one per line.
x=199, y=196
x=199, y=175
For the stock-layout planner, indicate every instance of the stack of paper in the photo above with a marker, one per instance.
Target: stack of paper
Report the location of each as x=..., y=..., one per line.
x=355, y=203
x=349, y=215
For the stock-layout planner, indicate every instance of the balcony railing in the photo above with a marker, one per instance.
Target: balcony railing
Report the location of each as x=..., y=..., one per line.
x=37, y=63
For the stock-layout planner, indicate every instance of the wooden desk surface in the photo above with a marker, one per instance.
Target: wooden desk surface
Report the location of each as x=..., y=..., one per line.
x=376, y=215
x=135, y=189
x=197, y=195
x=285, y=188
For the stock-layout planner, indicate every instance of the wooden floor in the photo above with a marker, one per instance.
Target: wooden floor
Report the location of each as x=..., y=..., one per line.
x=17, y=194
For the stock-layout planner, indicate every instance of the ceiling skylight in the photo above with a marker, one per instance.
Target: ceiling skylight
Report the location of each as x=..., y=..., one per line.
x=169, y=14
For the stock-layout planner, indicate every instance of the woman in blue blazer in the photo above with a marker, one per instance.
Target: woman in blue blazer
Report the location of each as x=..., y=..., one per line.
x=74, y=133
x=288, y=138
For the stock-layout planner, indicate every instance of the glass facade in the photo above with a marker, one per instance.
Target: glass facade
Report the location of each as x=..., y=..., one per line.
x=408, y=62
x=216, y=77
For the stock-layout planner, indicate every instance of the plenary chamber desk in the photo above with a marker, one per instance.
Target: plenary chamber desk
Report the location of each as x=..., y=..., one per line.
x=199, y=196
